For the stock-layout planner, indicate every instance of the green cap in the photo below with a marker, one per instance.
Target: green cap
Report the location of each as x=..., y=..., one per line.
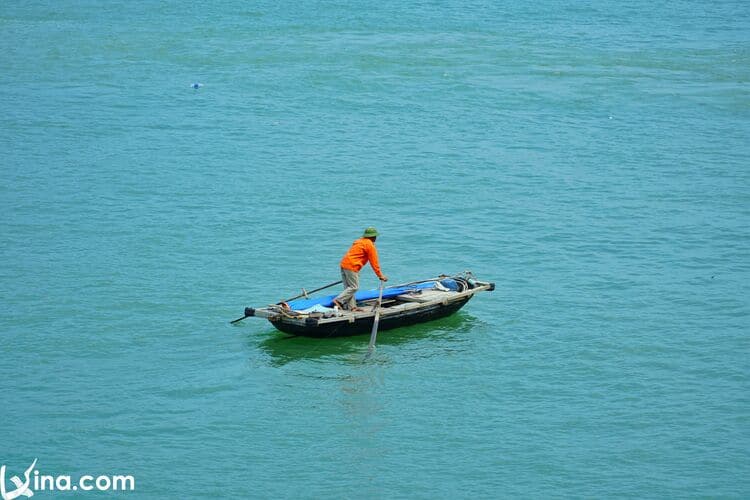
x=370, y=232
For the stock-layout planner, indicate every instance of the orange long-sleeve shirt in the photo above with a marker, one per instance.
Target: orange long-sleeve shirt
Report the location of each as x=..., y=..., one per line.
x=362, y=251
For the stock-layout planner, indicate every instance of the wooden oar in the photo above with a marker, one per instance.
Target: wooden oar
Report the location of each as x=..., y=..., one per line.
x=374, y=333
x=304, y=293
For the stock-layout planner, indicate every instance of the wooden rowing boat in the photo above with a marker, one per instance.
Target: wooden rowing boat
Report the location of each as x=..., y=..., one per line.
x=402, y=305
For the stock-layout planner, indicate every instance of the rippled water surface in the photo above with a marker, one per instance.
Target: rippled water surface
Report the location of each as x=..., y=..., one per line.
x=590, y=158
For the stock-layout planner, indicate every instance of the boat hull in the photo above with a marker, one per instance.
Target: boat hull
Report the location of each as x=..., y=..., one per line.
x=363, y=325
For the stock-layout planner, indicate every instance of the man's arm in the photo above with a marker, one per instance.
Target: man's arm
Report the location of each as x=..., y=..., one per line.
x=372, y=256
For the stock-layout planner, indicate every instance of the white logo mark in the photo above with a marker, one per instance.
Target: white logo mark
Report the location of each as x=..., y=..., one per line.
x=22, y=488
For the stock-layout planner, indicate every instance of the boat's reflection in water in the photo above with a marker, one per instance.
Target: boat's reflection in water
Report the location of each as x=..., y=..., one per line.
x=449, y=332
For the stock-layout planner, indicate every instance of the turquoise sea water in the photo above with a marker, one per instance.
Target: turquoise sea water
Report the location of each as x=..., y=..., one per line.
x=591, y=158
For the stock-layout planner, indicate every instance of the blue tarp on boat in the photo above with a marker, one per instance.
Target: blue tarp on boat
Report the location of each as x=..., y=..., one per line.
x=327, y=301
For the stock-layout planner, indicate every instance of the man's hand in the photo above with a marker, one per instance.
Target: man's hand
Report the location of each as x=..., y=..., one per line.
x=384, y=278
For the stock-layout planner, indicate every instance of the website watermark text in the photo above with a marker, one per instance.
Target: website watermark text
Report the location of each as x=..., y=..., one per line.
x=34, y=481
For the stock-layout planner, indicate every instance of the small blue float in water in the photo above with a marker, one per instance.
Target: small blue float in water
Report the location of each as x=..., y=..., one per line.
x=197, y=85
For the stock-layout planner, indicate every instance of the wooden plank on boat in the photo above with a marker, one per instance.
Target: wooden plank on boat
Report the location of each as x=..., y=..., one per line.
x=413, y=298
x=421, y=297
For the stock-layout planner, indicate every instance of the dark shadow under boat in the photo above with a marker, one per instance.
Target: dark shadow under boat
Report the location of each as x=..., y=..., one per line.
x=283, y=348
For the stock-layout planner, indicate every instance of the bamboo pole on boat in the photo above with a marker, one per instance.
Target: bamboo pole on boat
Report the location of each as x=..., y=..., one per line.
x=374, y=333
x=304, y=293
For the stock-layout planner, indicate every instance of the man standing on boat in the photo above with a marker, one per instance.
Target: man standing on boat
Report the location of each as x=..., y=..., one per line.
x=361, y=252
